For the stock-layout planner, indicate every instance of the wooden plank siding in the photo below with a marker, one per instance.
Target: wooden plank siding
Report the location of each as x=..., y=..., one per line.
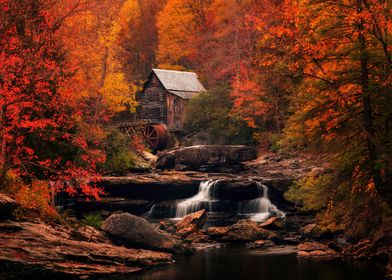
x=167, y=106
x=176, y=114
x=153, y=105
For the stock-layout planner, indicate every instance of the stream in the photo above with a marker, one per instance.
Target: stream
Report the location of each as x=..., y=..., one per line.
x=239, y=262
x=272, y=264
x=258, y=209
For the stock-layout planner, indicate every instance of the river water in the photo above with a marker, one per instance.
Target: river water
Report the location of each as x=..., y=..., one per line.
x=239, y=263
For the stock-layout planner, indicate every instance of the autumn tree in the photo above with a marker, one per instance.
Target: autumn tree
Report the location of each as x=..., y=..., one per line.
x=91, y=41
x=39, y=133
x=138, y=37
x=345, y=102
x=178, y=24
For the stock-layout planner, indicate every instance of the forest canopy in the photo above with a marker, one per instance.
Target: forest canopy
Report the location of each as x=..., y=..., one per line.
x=315, y=73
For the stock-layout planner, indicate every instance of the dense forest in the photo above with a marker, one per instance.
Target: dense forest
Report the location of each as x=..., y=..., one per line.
x=289, y=76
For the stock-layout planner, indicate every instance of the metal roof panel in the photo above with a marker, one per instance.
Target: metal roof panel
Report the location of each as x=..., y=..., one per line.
x=179, y=80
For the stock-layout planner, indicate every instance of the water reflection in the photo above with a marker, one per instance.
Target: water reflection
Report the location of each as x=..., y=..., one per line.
x=257, y=264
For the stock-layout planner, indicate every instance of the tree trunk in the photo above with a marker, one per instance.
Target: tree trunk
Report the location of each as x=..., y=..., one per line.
x=372, y=151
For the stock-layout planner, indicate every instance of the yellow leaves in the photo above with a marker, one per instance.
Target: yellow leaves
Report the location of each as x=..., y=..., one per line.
x=92, y=42
x=177, y=24
x=130, y=12
x=117, y=94
x=35, y=196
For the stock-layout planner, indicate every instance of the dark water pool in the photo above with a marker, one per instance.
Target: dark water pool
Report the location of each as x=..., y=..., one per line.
x=257, y=264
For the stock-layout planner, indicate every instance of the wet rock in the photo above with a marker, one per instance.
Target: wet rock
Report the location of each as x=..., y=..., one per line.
x=237, y=190
x=306, y=230
x=137, y=232
x=317, y=251
x=198, y=237
x=260, y=244
x=242, y=231
x=89, y=234
x=245, y=231
x=217, y=232
x=113, y=204
x=52, y=252
x=151, y=187
x=316, y=231
x=7, y=205
x=274, y=223
x=204, y=157
x=191, y=223
x=204, y=246
x=360, y=250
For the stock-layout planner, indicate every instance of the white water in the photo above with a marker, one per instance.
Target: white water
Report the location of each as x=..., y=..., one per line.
x=261, y=208
x=202, y=200
x=258, y=209
x=149, y=213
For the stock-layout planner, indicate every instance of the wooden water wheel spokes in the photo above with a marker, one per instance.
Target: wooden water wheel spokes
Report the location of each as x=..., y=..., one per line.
x=155, y=136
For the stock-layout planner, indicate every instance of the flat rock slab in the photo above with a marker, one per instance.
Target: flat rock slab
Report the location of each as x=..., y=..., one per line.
x=316, y=250
x=172, y=185
x=51, y=251
x=205, y=157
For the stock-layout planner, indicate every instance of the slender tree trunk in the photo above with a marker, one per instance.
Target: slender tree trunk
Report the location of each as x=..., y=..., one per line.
x=368, y=122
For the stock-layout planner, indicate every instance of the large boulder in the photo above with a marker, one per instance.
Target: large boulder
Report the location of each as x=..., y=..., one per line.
x=137, y=232
x=205, y=157
x=246, y=231
x=7, y=205
x=242, y=231
x=191, y=223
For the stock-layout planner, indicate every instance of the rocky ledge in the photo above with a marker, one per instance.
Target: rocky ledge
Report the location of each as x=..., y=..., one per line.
x=224, y=158
x=35, y=248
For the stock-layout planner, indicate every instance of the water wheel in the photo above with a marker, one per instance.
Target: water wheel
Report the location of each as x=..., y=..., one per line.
x=156, y=136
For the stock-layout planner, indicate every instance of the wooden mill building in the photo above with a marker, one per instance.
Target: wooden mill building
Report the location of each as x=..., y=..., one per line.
x=165, y=96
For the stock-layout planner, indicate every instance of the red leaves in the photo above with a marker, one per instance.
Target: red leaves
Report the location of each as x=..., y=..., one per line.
x=36, y=117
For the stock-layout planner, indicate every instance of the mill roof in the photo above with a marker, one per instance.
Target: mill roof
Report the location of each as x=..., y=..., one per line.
x=181, y=83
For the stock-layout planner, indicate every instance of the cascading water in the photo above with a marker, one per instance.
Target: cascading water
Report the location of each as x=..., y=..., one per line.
x=258, y=209
x=261, y=208
x=202, y=200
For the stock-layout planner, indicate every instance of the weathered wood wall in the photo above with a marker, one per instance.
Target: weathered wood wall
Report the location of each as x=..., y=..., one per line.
x=176, y=111
x=161, y=106
x=153, y=104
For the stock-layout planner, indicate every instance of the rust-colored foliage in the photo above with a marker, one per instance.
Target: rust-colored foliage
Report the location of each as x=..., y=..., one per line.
x=39, y=117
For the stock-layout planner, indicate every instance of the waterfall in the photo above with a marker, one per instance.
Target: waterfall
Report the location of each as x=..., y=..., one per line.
x=261, y=208
x=149, y=213
x=202, y=200
x=258, y=209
